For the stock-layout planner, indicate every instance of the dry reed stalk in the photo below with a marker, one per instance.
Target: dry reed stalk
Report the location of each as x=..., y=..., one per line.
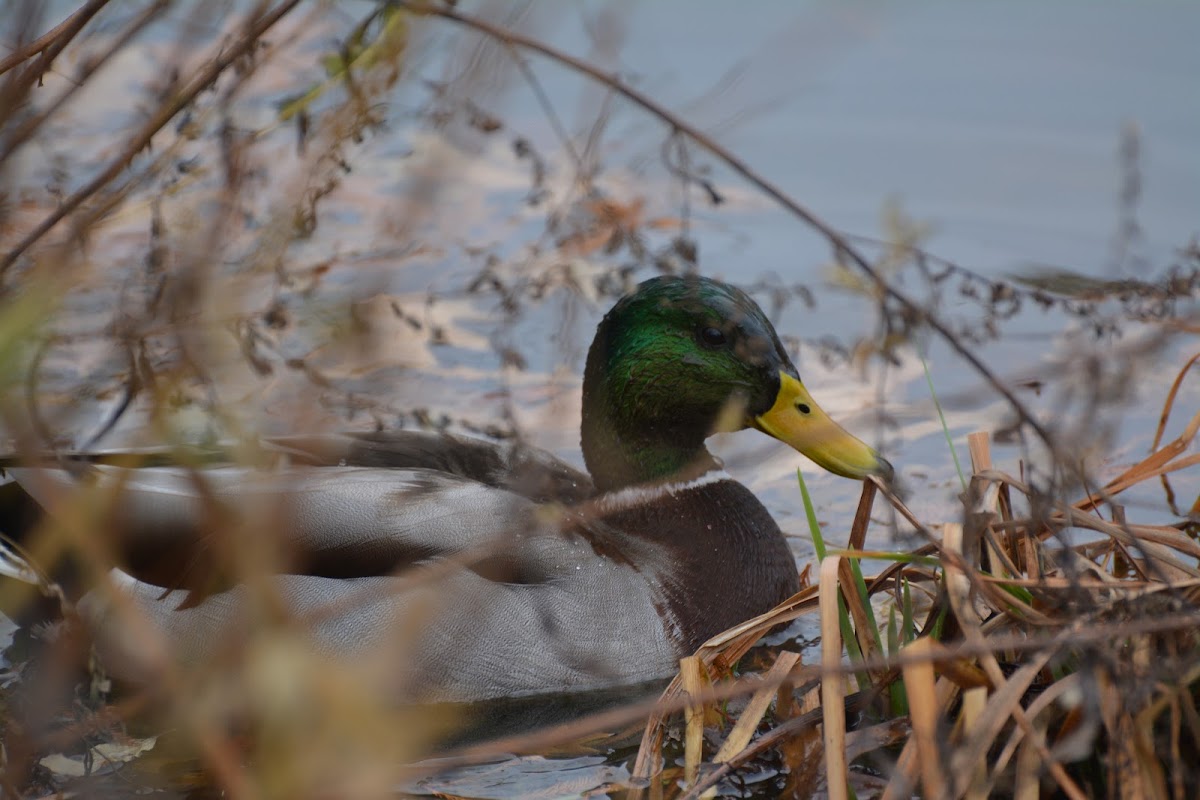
x=743, y=730
x=970, y=621
x=691, y=672
x=973, y=702
x=833, y=682
x=958, y=589
x=1004, y=704
x=923, y=711
x=1162, y=461
x=863, y=627
x=1028, y=783
x=903, y=781
x=992, y=504
x=717, y=654
x=861, y=619
x=1134, y=775
x=1169, y=401
x=1057, y=691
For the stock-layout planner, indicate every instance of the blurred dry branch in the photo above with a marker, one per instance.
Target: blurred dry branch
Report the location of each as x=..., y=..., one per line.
x=178, y=98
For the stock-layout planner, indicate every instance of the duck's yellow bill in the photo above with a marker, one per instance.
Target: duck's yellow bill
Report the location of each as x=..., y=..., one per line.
x=798, y=421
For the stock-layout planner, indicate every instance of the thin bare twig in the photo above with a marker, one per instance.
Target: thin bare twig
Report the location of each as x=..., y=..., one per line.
x=30, y=126
x=176, y=102
x=53, y=41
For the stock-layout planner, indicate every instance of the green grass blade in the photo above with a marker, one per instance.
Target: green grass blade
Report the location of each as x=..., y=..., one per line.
x=945, y=428
x=813, y=527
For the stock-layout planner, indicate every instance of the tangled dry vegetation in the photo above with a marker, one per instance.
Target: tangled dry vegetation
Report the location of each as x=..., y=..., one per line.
x=1034, y=664
x=1043, y=646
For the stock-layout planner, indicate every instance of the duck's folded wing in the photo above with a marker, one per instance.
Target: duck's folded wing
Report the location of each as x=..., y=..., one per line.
x=514, y=466
x=335, y=521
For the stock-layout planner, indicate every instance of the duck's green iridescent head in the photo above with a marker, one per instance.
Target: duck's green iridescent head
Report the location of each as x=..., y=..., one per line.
x=683, y=358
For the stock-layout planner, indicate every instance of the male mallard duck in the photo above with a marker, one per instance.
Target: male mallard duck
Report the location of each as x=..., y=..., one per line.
x=523, y=576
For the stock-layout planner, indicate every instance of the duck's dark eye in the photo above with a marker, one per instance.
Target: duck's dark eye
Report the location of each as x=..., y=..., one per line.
x=713, y=337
